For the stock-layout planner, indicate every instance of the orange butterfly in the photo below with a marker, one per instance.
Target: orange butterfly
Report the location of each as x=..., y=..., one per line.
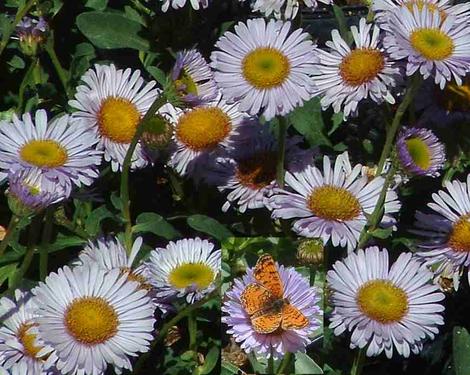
x=265, y=303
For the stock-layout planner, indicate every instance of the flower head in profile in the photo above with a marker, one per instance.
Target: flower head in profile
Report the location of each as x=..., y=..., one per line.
x=63, y=154
x=112, y=102
x=265, y=67
x=333, y=203
x=269, y=286
x=185, y=268
x=21, y=349
x=386, y=308
x=429, y=44
x=420, y=153
x=445, y=232
x=346, y=76
x=178, y=4
x=86, y=314
x=193, y=78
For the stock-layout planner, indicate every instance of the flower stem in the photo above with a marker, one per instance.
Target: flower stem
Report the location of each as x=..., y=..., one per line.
x=285, y=364
x=192, y=330
x=126, y=212
x=46, y=237
x=24, y=84
x=358, y=363
x=19, y=16
x=313, y=272
x=414, y=85
x=281, y=140
x=12, y=226
x=61, y=73
x=270, y=369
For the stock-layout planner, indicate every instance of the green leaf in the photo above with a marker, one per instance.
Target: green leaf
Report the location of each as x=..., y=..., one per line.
x=112, y=30
x=229, y=369
x=210, y=226
x=156, y=224
x=210, y=362
x=308, y=121
x=158, y=74
x=6, y=272
x=461, y=351
x=381, y=233
x=63, y=242
x=93, y=221
x=306, y=365
x=17, y=62
x=97, y=4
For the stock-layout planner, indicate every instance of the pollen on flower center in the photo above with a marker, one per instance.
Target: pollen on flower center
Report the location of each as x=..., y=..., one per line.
x=28, y=340
x=265, y=67
x=185, y=84
x=44, y=153
x=257, y=171
x=185, y=275
x=419, y=152
x=382, y=301
x=433, y=44
x=459, y=239
x=333, y=203
x=361, y=66
x=132, y=276
x=203, y=128
x=91, y=320
x=118, y=119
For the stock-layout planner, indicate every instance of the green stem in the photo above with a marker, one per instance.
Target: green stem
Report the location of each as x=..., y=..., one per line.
x=192, y=330
x=281, y=140
x=24, y=84
x=12, y=226
x=358, y=363
x=126, y=211
x=61, y=73
x=161, y=334
x=415, y=82
x=19, y=16
x=283, y=367
x=270, y=369
x=46, y=237
x=313, y=272
x=67, y=224
x=139, y=6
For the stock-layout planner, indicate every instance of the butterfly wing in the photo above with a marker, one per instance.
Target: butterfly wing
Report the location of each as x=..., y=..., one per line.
x=292, y=318
x=267, y=321
x=255, y=298
x=266, y=273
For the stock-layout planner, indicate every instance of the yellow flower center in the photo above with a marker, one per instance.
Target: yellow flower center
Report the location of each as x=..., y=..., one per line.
x=257, y=171
x=118, y=119
x=28, y=340
x=265, y=67
x=132, y=276
x=91, y=320
x=382, y=301
x=203, y=128
x=455, y=97
x=361, y=66
x=186, y=84
x=44, y=153
x=459, y=239
x=188, y=274
x=333, y=203
x=433, y=44
x=419, y=152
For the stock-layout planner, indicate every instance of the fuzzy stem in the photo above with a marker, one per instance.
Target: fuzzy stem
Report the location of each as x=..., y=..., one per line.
x=285, y=363
x=192, y=330
x=61, y=73
x=126, y=211
x=12, y=226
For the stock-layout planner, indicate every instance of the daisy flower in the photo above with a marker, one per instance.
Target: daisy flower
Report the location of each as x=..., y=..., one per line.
x=86, y=314
x=444, y=107
x=21, y=350
x=420, y=152
x=177, y=4
x=347, y=76
x=203, y=131
x=64, y=155
x=185, y=268
x=112, y=102
x=264, y=67
x=33, y=191
x=384, y=8
x=249, y=173
x=434, y=46
x=286, y=9
x=385, y=308
x=446, y=231
x=193, y=78
x=297, y=292
x=332, y=204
